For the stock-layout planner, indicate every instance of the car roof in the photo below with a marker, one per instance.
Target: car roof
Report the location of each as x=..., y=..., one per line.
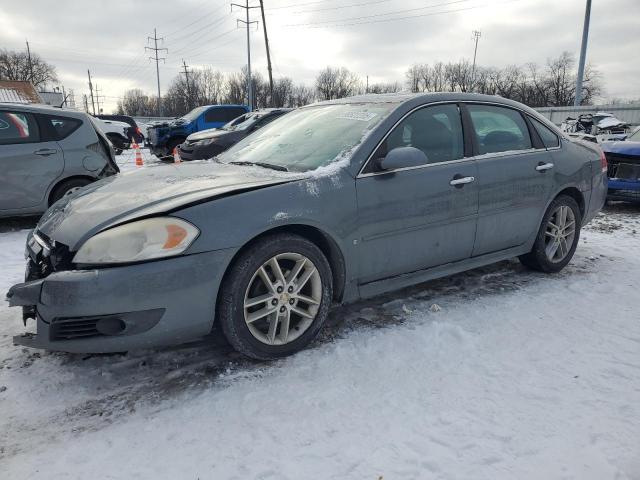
x=417, y=99
x=38, y=108
x=403, y=97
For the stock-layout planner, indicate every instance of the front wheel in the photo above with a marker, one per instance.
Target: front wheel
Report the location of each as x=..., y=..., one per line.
x=557, y=237
x=66, y=188
x=276, y=297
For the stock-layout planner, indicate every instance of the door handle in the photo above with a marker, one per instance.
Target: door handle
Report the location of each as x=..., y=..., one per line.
x=45, y=151
x=543, y=167
x=459, y=181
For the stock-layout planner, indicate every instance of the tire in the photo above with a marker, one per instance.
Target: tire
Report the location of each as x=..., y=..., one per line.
x=538, y=258
x=258, y=339
x=66, y=188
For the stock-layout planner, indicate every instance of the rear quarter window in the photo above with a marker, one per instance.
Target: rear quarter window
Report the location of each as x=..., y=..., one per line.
x=61, y=127
x=549, y=138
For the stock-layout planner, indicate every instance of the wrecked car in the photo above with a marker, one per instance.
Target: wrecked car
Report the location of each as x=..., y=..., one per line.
x=624, y=168
x=330, y=203
x=605, y=127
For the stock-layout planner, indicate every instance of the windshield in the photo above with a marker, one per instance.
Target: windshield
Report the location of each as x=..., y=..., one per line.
x=230, y=125
x=635, y=136
x=193, y=114
x=310, y=137
x=244, y=122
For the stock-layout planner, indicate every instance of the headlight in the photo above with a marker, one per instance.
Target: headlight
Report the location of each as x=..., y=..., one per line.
x=204, y=142
x=137, y=241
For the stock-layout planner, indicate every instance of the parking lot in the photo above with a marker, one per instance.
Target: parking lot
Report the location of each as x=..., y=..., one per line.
x=494, y=372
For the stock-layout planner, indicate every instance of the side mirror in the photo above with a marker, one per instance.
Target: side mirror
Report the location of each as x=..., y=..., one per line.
x=403, y=157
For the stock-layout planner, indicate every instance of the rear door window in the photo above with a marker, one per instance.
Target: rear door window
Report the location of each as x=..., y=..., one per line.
x=549, y=139
x=18, y=127
x=499, y=129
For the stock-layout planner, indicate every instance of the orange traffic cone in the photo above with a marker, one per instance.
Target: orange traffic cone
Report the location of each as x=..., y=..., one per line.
x=176, y=155
x=139, y=161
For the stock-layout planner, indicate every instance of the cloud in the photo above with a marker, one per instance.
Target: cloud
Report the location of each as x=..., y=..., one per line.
x=109, y=37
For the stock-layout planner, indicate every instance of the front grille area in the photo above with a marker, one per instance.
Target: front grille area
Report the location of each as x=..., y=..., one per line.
x=71, y=328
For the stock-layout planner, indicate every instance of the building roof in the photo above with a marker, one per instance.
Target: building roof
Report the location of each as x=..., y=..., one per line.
x=52, y=98
x=13, y=91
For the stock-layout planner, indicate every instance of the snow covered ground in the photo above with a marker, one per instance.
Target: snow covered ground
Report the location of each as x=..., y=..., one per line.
x=517, y=375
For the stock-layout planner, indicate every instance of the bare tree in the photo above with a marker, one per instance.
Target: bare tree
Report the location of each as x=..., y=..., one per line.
x=16, y=66
x=334, y=83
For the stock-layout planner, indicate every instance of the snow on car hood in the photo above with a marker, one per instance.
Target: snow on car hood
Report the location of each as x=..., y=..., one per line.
x=149, y=191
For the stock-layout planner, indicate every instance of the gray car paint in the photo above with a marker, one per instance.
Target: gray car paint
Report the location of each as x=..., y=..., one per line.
x=28, y=179
x=383, y=231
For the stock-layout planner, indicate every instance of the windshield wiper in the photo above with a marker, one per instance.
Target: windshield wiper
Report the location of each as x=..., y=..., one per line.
x=272, y=166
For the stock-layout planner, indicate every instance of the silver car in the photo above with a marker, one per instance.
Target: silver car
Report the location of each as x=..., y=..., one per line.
x=47, y=153
x=330, y=203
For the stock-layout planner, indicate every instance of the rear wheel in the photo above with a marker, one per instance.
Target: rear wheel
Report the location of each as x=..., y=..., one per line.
x=276, y=297
x=557, y=237
x=67, y=188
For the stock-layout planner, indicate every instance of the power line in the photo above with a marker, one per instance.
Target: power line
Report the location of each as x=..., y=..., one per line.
x=384, y=20
x=339, y=7
x=377, y=15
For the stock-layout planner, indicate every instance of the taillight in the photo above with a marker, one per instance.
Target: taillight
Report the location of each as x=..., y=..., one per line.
x=603, y=161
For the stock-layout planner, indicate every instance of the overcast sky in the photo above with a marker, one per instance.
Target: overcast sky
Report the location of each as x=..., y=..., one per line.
x=378, y=38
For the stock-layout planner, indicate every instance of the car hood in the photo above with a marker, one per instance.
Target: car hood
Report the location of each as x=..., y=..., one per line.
x=622, y=148
x=152, y=190
x=212, y=133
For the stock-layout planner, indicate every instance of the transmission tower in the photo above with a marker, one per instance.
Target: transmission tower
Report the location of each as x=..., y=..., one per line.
x=247, y=23
x=155, y=49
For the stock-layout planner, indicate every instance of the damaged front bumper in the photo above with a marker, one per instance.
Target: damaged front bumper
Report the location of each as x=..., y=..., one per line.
x=116, y=309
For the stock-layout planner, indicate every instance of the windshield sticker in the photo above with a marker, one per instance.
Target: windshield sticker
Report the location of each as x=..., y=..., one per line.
x=3, y=125
x=361, y=116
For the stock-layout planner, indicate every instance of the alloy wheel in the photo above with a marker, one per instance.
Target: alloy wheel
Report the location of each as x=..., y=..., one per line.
x=560, y=233
x=282, y=299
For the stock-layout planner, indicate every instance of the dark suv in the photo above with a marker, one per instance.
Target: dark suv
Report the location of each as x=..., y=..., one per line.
x=134, y=132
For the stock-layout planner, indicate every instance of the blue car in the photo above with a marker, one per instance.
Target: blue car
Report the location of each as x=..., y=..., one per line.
x=164, y=137
x=623, y=159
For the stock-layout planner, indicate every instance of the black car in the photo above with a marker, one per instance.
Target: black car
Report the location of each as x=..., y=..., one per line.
x=134, y=132
x=212, y=142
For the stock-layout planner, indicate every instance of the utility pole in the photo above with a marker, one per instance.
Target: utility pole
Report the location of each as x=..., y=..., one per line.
x=64, y=97
x=155, y=49
x=29, y=64
x=93, y=105
x=186, y=74
x=583, y=53
x=367, y=89
x=98, y=99
x=248, y=24
x=85, y=102
x=266, y=42
x=476, y=36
